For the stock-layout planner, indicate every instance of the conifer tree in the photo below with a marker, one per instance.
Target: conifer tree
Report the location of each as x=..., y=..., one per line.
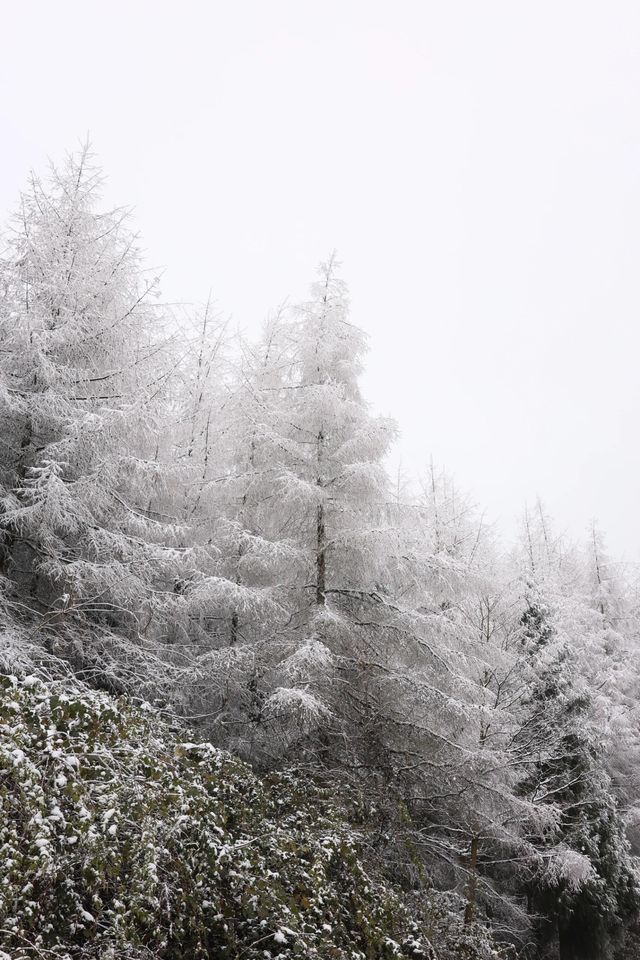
x=84, y=361
x=584, y=887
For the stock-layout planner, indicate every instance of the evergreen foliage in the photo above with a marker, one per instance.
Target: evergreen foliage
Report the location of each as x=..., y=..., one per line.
x=120, y=839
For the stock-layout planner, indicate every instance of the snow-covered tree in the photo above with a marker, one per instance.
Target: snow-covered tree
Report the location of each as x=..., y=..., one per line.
x=301, y=513
x=584, y=887
x=237, y=597
x=84, y=361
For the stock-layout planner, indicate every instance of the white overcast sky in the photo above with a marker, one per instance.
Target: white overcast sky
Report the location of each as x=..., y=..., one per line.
x=475, y=164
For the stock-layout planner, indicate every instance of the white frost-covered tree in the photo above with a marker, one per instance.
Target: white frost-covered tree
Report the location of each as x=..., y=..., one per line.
x=84, y=359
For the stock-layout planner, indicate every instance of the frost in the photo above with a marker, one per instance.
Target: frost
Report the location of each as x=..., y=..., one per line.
x=311, y=657
x=570, y=867
x=298, y=700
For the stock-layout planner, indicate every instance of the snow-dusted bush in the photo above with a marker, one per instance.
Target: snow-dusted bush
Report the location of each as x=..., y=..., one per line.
x=117, y=839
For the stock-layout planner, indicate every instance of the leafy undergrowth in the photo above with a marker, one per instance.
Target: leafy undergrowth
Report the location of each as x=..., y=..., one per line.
x=120, y=840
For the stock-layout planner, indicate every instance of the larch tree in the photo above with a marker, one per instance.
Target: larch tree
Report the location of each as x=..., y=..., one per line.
x=84, y=359
x=301, y=514
x=336, y=495
x=237, y=598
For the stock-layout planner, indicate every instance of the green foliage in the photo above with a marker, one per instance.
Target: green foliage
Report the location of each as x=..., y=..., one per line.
x=117, y=839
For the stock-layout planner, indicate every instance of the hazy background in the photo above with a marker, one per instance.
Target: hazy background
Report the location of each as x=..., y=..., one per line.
x=476, y=164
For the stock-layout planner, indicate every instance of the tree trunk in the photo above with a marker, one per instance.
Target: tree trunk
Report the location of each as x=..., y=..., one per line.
x=321, y=545
x=472, y=886
x=321, y=536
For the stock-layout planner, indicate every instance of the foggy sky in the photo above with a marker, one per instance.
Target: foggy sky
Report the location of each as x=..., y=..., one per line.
x=475, y=164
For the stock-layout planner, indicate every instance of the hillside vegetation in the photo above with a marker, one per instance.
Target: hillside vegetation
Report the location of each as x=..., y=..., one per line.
x=120, y=839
